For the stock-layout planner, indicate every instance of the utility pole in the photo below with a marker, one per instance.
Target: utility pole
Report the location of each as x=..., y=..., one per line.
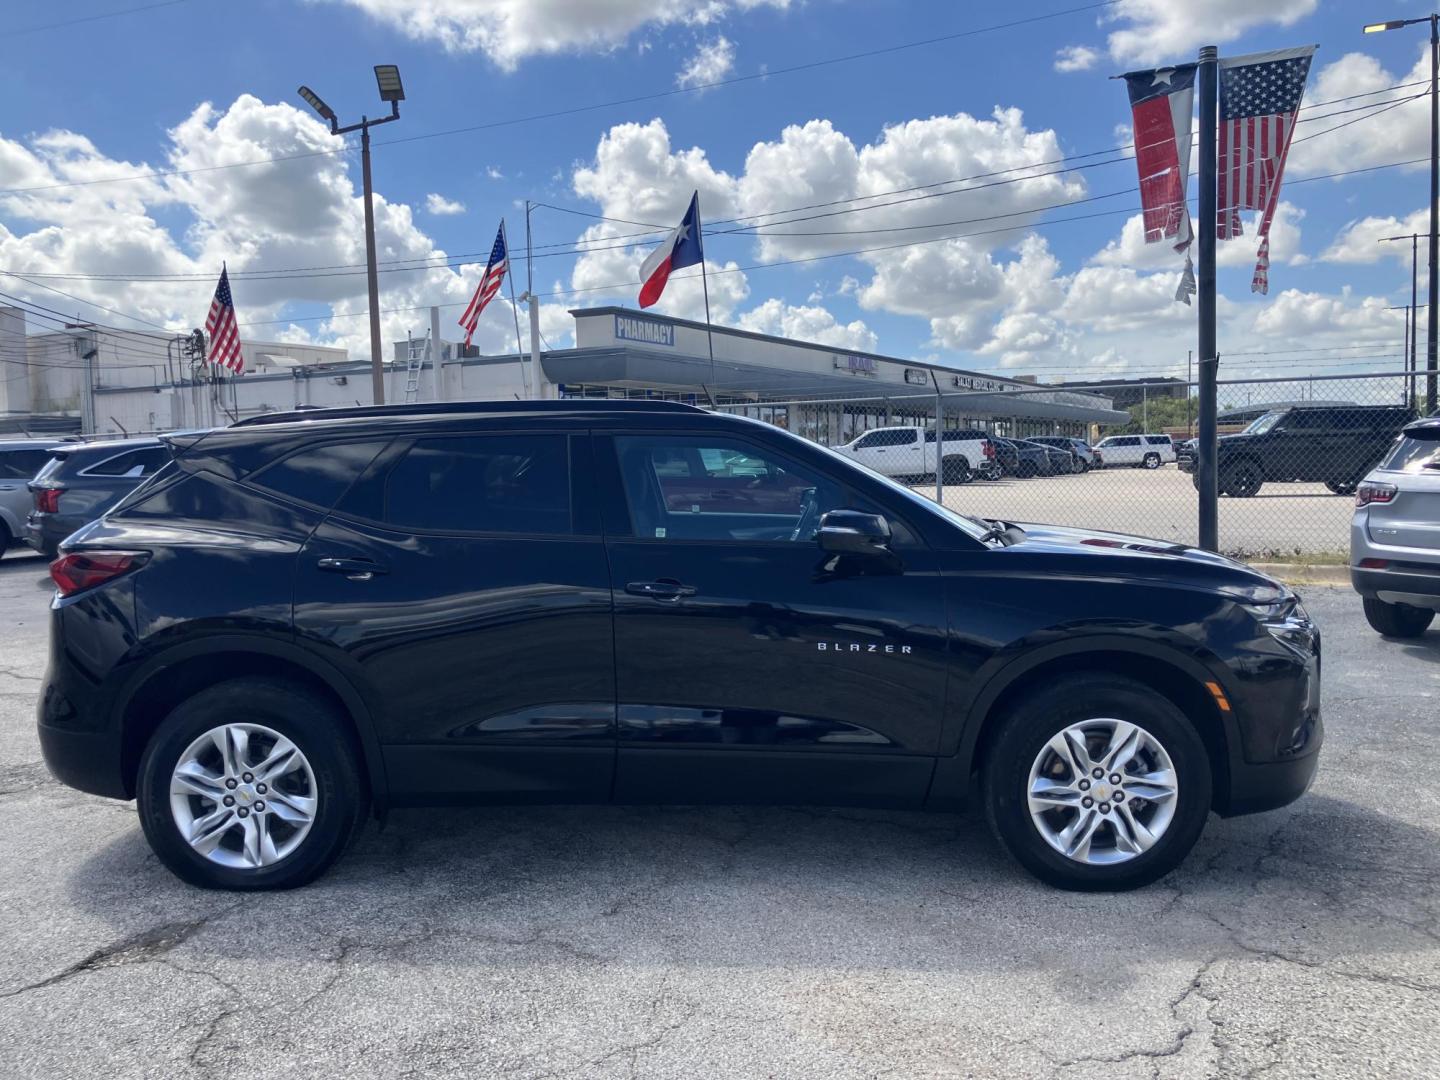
x=1433, y=316
x=1189, y=394
x=387, y=78
x=437, y=357
x=1206, y=80
x=533, y=307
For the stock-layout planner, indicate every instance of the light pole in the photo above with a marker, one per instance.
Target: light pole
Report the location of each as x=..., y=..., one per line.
x=1434, y=312
x=1412, y=320
x=387, y=77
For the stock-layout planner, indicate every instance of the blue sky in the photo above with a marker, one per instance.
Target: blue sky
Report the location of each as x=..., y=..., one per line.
x=130, y=91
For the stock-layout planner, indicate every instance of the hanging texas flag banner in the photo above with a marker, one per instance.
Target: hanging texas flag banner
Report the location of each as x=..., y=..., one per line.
x=1161, y=104
x=1259, y=97
x=680, y=249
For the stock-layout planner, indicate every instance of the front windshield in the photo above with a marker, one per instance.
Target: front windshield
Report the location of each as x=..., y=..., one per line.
x=1262, y=424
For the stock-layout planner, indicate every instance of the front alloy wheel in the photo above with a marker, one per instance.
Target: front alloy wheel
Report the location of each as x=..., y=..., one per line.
x=1102, y=791
x=1095, y=781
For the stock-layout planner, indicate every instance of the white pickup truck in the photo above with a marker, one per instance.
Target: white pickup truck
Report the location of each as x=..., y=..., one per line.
x=912, y=451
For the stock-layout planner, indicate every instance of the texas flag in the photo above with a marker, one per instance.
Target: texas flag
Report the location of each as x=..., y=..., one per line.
x=1161, y=103
x=680, y=248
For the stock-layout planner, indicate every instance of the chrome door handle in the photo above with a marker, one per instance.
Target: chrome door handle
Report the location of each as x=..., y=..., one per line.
x=660, y=590
x=353, y=569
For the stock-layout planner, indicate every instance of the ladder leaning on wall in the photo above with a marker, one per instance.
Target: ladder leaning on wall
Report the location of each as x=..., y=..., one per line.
x=419, y=350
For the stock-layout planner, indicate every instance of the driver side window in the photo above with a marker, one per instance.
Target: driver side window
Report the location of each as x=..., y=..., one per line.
x=679, y=487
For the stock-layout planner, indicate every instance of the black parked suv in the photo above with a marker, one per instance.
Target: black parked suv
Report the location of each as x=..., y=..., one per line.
x=327, y=614
x=1331, y=444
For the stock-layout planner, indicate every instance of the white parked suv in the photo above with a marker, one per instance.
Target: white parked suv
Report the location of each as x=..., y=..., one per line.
x=1395, y=534
x=1137, y=451
x=912, y=451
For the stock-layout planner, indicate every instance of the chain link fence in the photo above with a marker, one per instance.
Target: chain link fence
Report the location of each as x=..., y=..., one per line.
x=1291, y=453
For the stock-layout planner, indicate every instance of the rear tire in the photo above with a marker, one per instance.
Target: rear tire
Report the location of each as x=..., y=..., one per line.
x=1342, y=487
x=330, y=788
x=1397, y=620
x=5, y=539
x=1152, y=461
x=956, y=470
x=1013, y=770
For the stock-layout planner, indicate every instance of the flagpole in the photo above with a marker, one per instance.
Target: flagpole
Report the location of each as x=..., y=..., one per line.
x=1206, y=80
x=514, y=309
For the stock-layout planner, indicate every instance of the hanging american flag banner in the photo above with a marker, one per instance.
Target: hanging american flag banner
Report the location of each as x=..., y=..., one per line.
x=223, y=330
x=1259, y=99
x=1161, y=103
x=489, y=284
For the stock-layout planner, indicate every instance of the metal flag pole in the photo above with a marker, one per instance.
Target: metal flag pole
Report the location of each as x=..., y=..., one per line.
x=1206, y=86
x=514, y=310
x=532, y=304
x=705, y=286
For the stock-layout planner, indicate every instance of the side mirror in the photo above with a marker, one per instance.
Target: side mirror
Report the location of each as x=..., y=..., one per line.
x=854, y=532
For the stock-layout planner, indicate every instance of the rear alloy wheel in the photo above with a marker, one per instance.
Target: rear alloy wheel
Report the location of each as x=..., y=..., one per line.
x=1083, y=465
x=1097, y=783
x=250, y=784
x=1152, y=461
x=1241, y=481
x=1398, y=620
x=956, y=470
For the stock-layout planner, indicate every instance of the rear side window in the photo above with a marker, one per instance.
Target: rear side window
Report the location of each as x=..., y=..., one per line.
x=1158, y=440
x=886, y=438
x=482, y=483
x=1414, y=456
x=22, y=464
x=132, y=464
x=318, y=475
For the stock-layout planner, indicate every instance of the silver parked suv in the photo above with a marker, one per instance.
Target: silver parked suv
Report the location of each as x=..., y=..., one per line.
x=1395, y=534
x=20, y=459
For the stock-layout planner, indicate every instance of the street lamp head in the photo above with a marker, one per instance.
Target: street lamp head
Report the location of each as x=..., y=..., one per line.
x=1393, y=24
x=313, y=100
x=387, y=76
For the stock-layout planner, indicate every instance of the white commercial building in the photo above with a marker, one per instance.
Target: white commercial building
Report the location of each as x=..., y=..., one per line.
x=142, y=382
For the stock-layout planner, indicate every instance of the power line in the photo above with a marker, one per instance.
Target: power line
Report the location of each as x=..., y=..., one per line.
x=93, y=18
x=577, y=109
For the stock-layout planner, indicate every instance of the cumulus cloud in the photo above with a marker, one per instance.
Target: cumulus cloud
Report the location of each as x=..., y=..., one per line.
x=509, y=31
x=1076, y=58
x=1160, y=31
x=1130, y=249
x=711, y=62
x=808, y=323
x=1360, y=241
x=440, y=206
x=305, y=211
x=1390, y=134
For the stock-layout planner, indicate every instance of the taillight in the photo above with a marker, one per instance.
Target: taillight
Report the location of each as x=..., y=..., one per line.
x=86, y=569
x=47, y=499
x=989, y=449
x=1372, y=491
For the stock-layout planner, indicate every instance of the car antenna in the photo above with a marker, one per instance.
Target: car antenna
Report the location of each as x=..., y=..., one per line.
x=709, y=396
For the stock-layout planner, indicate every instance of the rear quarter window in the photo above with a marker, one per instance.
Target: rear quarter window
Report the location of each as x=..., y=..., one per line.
x=131, y=464
x=318, y=475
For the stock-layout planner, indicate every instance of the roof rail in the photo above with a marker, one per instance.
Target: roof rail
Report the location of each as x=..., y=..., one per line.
x=463, y=408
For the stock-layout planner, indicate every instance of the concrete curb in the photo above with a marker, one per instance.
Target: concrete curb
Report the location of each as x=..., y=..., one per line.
x=1306, y=573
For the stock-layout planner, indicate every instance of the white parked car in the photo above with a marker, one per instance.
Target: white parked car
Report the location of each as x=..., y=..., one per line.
x=1395, y=534
x=1137, y=451
x=912, y=451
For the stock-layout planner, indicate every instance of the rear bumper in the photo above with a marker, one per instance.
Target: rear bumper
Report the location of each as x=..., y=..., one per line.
x=1407, y=584
x=84, y=760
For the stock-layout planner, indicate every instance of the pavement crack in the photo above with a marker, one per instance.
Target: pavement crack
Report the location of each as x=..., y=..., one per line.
x=143, y=947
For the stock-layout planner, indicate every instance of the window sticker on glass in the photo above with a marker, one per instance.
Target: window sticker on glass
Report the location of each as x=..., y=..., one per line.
x=660, y=532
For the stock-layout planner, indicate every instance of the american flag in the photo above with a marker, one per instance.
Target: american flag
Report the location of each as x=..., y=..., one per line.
x=221, y=326
x=489, y=284
x=1259, y=98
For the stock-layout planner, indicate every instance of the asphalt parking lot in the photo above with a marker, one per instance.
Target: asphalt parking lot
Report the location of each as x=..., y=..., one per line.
x=1283, y=520
x=673, y=942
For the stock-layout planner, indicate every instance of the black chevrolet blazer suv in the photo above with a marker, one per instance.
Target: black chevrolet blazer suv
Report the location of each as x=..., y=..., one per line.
x=318, y=616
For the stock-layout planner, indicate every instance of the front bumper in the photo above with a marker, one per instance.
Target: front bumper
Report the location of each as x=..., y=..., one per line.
x=1256, y=788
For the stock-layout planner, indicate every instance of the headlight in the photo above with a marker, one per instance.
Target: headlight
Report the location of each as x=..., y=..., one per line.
x=1287, y=621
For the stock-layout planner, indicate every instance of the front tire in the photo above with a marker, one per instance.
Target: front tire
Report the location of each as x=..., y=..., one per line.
x=251, y=784
x=1397, y=620
x=1039, y=776
x=1241, y=481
